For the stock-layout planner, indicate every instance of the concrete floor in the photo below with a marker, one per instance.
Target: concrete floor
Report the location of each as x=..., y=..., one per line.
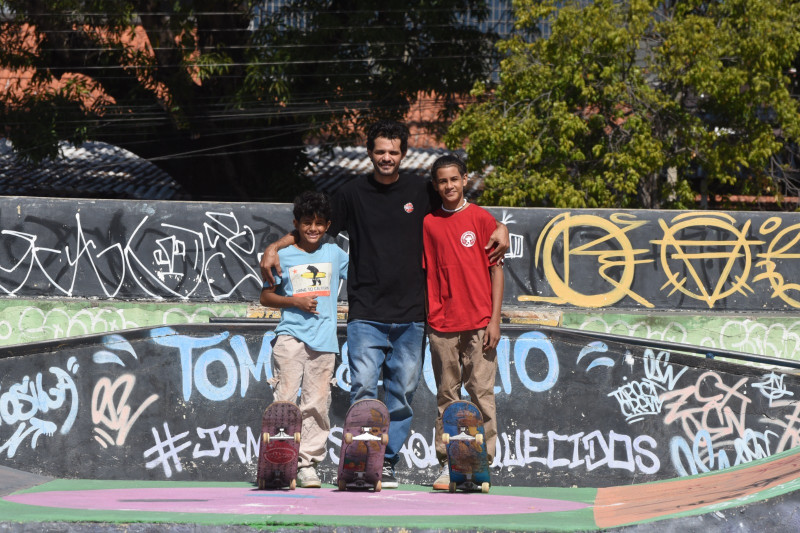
x=761, y=495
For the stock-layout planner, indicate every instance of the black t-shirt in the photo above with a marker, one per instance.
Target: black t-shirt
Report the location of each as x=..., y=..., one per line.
x=385, y=281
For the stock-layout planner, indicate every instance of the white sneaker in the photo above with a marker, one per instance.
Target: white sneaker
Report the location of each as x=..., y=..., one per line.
x=443, y=481
x=307, y=478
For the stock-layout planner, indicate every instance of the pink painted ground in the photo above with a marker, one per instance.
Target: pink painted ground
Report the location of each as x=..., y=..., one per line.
x=321, y=502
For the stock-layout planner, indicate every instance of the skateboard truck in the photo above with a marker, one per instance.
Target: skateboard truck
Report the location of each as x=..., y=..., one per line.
x=281, y=435
x=360, y=482
x=463, y=436
x=366, y=434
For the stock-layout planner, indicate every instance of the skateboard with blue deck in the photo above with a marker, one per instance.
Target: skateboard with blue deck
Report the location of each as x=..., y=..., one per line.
x=364, y=438
x=279, y=449
x=463, y=435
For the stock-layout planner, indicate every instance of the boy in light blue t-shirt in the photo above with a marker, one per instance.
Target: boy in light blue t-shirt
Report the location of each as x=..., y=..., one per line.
x=306, y=345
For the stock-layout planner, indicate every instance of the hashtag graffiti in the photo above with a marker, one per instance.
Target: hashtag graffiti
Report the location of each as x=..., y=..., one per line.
x=167, y=451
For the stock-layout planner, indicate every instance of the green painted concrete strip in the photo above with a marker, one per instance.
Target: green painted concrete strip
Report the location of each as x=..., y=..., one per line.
x=23, y=321
x=29, y=320
x=775, y=336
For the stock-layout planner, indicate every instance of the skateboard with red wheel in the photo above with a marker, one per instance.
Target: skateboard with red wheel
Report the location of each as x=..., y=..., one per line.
x=364, y=438
x=280, y=446
x=463, y=434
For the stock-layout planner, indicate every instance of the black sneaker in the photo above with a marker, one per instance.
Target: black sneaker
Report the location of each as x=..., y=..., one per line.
x=388, y=480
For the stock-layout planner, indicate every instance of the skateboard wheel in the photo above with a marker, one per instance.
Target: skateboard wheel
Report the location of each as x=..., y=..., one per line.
x=485, y=487
x=265, y=437
x=293, y=485
x=348, y=438
x=297, y=437
x=446, y=438
x=342, y=485
x=384, y=441
x=378, y=486
x=452, y=487
x=479, y=438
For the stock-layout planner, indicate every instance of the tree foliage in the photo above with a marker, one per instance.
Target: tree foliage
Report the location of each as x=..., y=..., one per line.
x=220, y=95
x=637, y=103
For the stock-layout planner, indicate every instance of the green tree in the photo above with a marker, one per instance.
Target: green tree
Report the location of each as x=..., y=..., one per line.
x=216, y=94
x=625, y=103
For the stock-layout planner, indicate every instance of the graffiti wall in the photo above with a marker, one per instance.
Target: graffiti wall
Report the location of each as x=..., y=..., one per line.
x=109, y=249
x=184, y=402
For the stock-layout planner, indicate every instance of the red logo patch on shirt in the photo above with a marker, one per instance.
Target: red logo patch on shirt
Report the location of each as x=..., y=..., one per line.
x=409, y=207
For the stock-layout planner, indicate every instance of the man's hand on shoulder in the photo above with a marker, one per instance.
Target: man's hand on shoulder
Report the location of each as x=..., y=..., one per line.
x=269, y=261
x=499, y=243
x=270, y=258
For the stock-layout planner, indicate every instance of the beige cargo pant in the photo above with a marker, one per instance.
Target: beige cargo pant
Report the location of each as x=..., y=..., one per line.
x=458, y=358
x=295, y=364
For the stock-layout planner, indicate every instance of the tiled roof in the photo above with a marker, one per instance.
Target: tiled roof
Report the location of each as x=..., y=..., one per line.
x=100, y=170
x=331, y=170
x=92, y=170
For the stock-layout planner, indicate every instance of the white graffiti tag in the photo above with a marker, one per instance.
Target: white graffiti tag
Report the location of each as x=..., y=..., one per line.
x=772, y=387
x=26, y=403
x=168, y=451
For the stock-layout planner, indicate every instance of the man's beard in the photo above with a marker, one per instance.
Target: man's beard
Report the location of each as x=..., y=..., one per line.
x=385, y=171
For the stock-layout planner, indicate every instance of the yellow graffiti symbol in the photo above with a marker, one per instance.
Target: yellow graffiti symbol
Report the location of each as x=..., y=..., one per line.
x=731, y=251
x=561, y=228
x=787, y=239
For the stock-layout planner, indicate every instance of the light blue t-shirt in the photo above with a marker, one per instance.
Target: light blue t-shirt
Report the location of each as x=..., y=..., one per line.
x=316, y=274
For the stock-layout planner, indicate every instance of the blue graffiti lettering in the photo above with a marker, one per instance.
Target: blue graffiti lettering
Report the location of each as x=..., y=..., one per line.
x=536, y=340
x=262, y=364
x=195, y=374
x=26, y=402
x=203, y=383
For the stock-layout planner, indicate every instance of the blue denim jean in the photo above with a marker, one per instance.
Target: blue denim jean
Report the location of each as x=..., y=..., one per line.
x=397, y=350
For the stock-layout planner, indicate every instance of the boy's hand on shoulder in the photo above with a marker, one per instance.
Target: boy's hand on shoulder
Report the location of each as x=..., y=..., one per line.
x=307, y=304
x=492, y=336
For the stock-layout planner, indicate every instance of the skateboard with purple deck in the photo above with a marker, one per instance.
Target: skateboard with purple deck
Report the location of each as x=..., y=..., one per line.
x=364, y=438
x=279, y=450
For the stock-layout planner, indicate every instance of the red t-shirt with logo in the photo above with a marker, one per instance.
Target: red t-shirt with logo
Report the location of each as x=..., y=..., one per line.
x=457, y=268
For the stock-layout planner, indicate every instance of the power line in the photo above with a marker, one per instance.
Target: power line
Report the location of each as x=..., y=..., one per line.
x=249, y=13
x=261, y=63
x=254, y=46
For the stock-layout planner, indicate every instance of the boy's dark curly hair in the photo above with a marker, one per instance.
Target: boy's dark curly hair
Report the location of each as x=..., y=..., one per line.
x=388, y=129
x=448, y=160
x=312, y=204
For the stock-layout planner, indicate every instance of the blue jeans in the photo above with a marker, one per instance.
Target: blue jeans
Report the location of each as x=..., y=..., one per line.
x=398, y=350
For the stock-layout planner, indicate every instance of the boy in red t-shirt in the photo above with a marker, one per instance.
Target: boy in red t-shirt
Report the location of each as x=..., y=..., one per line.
x=465, y=292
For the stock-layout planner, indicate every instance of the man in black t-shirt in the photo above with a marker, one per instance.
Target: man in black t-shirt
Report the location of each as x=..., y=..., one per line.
x=382, y=214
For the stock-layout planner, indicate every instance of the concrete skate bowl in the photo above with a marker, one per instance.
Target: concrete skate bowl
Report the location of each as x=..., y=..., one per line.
x=575, y=408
